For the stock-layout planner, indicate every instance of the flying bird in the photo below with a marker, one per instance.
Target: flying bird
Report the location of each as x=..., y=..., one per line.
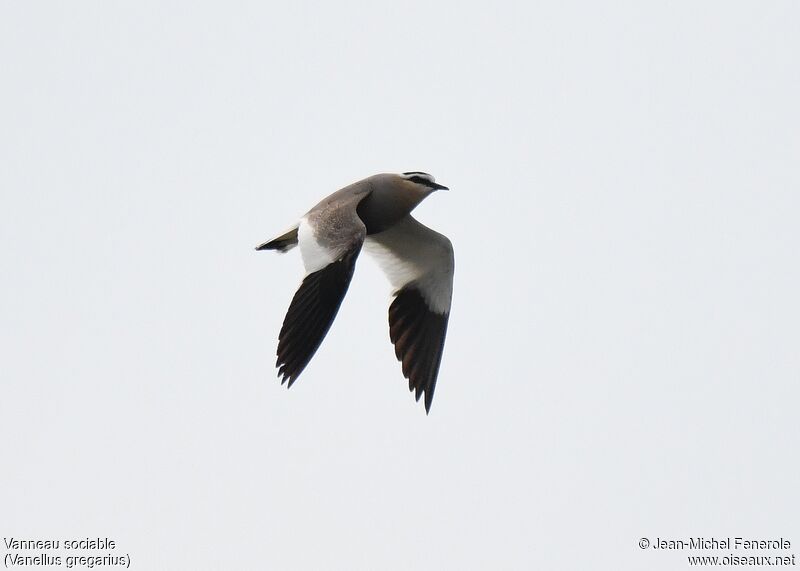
x=374, y=213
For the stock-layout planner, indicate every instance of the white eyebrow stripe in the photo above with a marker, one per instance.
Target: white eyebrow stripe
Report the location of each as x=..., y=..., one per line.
x=418, y=174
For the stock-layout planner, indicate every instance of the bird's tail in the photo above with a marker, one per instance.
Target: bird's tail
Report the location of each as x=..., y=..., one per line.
x=282, y=243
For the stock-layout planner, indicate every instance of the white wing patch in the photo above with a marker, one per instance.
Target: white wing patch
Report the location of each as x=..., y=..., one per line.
x=315, y=256
x=412, y=252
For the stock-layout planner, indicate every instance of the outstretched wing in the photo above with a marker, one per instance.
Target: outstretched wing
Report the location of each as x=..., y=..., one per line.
x=419, y=264
x=330, y=237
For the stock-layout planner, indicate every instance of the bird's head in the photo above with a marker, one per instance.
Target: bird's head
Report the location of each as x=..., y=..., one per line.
x=394, y=196
x=420, y=183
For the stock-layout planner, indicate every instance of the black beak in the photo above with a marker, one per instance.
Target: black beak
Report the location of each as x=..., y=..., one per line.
x=437, y=186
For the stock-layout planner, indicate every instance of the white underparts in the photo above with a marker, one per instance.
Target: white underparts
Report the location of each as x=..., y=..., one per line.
x=315, y=256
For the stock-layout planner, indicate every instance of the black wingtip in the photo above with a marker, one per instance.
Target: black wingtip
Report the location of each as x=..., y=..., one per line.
x=418, y=336
x=287, y=376
x=311, y=314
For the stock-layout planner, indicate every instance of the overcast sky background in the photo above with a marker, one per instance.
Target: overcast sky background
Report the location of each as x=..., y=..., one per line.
x=622, y=359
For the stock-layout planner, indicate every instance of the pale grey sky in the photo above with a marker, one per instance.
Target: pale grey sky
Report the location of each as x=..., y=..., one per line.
x=622, y=359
